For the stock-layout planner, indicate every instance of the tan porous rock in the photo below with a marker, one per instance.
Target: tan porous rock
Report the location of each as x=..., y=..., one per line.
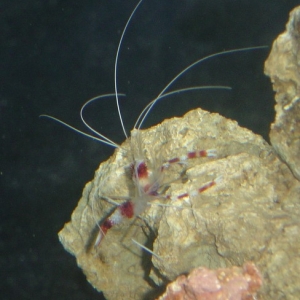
x=283, y=67
x=252, y=214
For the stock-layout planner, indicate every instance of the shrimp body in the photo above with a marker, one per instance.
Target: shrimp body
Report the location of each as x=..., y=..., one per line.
x=147, y=182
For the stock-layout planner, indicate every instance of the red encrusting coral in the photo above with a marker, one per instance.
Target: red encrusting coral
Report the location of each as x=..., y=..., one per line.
x=236, y=283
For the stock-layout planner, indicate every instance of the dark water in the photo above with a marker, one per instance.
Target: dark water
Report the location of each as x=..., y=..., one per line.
x=55, y=55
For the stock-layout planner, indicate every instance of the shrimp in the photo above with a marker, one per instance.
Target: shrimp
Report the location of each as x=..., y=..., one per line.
x=147, y=176
x=148, y=182
x=145, y=181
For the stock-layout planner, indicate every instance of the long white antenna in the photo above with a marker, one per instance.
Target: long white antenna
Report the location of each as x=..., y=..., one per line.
x=101, y=138
x=116, y=66
x=138, y=124
x=80, y=132
x=191, y=66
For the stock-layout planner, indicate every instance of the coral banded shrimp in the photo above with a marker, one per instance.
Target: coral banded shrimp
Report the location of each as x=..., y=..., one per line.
x=147, y=169
x=147, y=175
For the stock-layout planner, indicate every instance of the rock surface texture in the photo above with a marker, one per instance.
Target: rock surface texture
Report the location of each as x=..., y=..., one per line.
x=252, y=214
x=283, y=67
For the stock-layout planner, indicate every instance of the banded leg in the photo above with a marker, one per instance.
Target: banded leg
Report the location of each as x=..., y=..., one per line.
x=125, y=210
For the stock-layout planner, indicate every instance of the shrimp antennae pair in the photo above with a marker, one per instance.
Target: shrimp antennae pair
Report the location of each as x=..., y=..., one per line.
x=145, y=112
x=101, y=138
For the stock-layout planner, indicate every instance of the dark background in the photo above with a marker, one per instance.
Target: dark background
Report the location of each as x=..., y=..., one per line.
x=55, y=55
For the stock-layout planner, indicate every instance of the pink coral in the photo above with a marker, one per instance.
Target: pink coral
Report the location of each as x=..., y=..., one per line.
x=222, y=284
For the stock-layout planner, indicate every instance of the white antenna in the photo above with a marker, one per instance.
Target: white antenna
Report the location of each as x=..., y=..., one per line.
x=145, y=248
x=188, y=89
x=101, y=138
x=187, y=69
x=116, y=66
